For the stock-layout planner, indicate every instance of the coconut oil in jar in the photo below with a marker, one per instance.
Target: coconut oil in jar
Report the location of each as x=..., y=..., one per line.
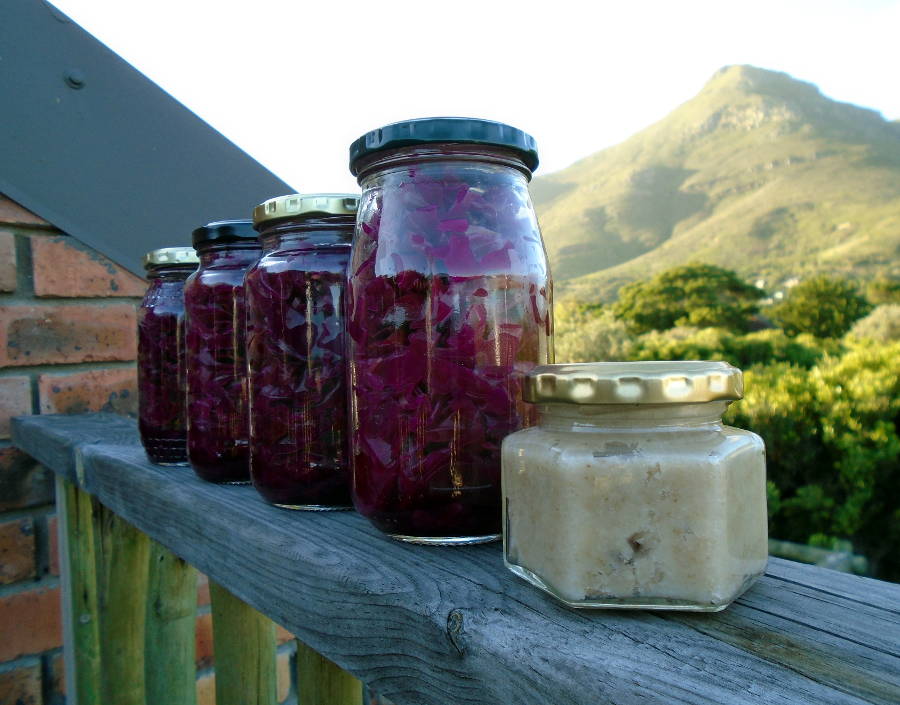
x=631, y=492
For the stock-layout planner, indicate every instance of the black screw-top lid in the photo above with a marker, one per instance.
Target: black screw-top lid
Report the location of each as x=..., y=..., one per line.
x=225, y=231
x=445, y=129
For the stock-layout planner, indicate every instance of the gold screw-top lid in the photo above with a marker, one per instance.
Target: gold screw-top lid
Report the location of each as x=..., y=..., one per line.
x=677, y=382
x=170, y=255
x=302, y=204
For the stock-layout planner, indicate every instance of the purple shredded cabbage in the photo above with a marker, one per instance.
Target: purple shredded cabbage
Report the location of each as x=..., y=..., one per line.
x=449, y=304
x=295, y=348
x=161, y=383
x=216, y=368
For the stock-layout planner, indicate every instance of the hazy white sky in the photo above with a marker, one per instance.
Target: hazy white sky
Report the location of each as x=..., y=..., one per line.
x=293, y=83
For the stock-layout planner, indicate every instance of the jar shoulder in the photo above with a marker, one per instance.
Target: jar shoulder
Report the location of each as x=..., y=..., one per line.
x=714, y=445
x=286, y=262
x=213, y=277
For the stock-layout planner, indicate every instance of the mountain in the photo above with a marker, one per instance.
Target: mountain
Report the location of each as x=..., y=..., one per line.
x=759, y=173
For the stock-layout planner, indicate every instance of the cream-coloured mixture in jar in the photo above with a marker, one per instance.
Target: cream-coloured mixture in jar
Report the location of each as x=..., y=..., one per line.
x=653, y=505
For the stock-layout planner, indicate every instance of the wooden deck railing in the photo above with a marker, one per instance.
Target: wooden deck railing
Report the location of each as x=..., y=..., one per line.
x=422, y=625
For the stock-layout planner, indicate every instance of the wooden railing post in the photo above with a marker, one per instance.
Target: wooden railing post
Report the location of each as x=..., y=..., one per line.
x=244, y=647
x=169, y=656
x=322, y=682
x=123, y=560
x=81, y=615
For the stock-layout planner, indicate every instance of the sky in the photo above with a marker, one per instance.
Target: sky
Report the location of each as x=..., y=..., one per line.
x=294, y=83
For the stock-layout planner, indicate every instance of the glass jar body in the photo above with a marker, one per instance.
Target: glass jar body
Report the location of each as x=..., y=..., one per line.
x=649, y=507
x=216, y=363
x=161, y=368
x=449, y=306
x=295, y=349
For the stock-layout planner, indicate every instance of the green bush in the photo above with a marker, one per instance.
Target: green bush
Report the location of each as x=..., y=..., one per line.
x=833, y=449
x=821, y=306
x=744, y=351
x=587, y=333
x=884, y=290
x=698, y=295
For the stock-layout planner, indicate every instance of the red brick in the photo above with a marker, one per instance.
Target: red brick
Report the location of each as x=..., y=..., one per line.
x=58, y=675
x=7, y=261
x=202, y=590
x=37, y=335
x=53, y=545
x=282, y=635
x=12, y=212
x=15, y=400
x=206, y=689
x=23, y=481
x=21, y=686
x=65, y=267
x=203, y=641
x=31, y=623
x=98, y=390
x=17, y=551
x=283, y=675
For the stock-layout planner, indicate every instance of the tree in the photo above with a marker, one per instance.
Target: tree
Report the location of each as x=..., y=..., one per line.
x=823, y=306
x=699, y=295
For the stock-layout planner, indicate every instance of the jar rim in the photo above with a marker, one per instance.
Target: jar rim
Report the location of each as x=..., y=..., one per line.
x=644, y=382
x=170, y=256
x=298, y=206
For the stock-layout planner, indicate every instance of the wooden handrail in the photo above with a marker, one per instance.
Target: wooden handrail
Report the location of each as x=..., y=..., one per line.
x=429, y=625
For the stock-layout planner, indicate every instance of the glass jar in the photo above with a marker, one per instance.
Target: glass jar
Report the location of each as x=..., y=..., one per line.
x=630, y=492
x=295, y=351
x=160, y=368
x=216, y=363
x=449, y=306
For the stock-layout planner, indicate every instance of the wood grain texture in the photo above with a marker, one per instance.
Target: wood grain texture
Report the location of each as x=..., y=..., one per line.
x=59, y=448
x=322, y=682
x=427, y=625
x=81, y=613
x=244, y=645
x=123, y=555
x=169, y=653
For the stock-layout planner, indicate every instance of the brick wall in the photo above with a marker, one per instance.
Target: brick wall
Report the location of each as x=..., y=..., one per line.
x=67, y=345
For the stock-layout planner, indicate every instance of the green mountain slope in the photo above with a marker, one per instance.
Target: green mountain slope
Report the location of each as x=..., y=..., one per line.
x=759, y=173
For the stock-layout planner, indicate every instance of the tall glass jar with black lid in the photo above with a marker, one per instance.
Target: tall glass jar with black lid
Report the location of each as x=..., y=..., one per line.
x=218, y=443
x=295, y=351
x=160, y=369
x=449, y=306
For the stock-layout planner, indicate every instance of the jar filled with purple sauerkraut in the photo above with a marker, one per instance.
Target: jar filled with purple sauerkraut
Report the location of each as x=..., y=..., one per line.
x=295, y=351
x=449, y=307
x=160, y=369
x=218, y=431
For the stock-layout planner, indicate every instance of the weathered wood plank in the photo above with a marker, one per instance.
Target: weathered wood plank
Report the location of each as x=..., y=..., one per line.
x=426, y=625
x=123, y=554
x=57, y=446
x=81, y=614
x=322, y=682
x=169, y=654
x=244, y=645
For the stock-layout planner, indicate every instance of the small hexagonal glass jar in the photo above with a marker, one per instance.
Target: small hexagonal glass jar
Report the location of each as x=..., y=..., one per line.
x=631, y=492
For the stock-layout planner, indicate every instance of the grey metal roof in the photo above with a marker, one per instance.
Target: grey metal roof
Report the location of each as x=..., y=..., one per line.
x=96, y=148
